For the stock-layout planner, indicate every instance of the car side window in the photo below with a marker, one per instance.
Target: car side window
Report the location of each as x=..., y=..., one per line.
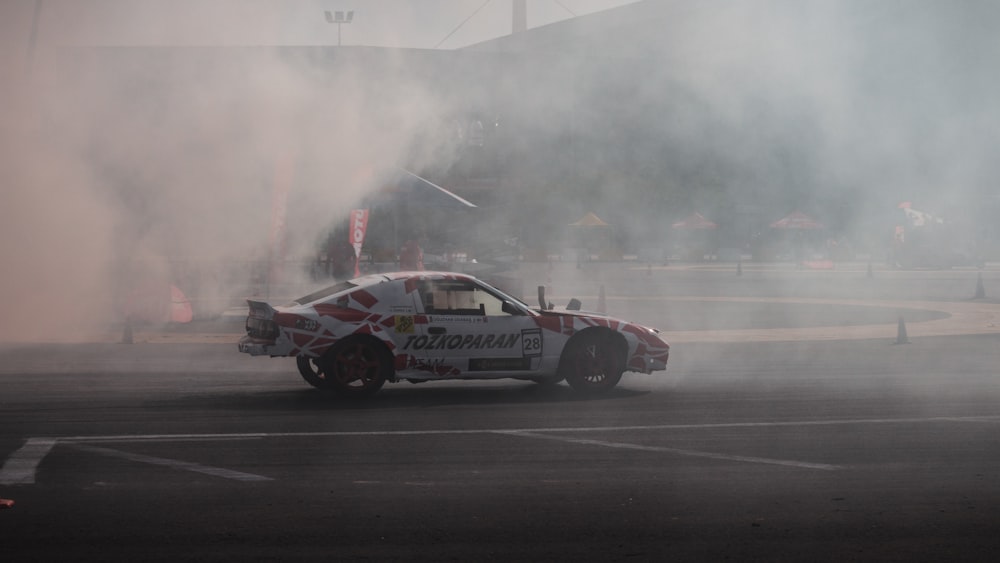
x=456, y=297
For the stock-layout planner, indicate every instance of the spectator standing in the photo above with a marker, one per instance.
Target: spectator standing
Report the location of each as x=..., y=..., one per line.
x=411, y=256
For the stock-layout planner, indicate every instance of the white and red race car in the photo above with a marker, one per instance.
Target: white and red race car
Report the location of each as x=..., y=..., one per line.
x=430, y=326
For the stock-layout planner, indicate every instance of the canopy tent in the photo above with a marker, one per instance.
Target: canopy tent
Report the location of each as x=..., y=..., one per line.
x=592, y=234
x=589, y=220
x=799, y=221
x=696, y=238
x=799, y=237
x=695, y=221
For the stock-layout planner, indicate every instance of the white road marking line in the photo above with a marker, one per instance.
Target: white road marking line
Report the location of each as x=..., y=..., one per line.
x=991, y=419
x=174, y=464
x=165, y=438
x=678, y=451
x=346, y=433
x=21, y=466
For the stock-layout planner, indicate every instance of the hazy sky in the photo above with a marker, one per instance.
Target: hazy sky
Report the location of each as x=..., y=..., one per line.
x=382, y=23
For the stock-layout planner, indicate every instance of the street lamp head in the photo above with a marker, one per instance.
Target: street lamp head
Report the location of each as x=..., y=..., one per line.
x=339, y=16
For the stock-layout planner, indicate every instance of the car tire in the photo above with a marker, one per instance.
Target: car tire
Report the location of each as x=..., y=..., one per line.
x=311, y=372
x=357, y=366
x=593, y=362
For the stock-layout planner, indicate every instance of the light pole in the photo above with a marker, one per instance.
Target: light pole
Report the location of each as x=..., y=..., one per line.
x=339, y=18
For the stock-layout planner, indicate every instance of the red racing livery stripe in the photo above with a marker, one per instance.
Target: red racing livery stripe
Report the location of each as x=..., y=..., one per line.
x=367, y=300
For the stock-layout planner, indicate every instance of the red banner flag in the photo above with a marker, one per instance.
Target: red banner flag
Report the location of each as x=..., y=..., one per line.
x=356, y=235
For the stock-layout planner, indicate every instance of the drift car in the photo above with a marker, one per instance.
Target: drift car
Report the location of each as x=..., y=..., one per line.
x=428, y=326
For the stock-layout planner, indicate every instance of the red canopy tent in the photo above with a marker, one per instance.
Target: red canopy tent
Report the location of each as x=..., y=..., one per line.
x=802, y=246
x=695, y=221
x=696, y=238
x=797, y=220
x=592, y=234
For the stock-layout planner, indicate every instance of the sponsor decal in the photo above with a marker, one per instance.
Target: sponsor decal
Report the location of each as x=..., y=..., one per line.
x=462, y=342
x=306, y=324
x=469, y=319
x=436, y=366
x=404, y=324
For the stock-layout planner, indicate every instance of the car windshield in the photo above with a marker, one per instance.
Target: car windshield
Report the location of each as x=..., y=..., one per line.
x=325, y=292
x=504, y=296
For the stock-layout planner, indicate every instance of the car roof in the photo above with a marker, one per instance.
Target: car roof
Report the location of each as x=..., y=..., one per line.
x=421, y=274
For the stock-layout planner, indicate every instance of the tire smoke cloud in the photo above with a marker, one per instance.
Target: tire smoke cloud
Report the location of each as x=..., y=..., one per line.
x=119, y=162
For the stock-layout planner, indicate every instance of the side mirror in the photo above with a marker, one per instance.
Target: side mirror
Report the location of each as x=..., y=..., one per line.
x=510, y=309
x=574, y=305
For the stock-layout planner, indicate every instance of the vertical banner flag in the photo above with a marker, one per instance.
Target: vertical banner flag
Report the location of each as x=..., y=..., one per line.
x=359, y=224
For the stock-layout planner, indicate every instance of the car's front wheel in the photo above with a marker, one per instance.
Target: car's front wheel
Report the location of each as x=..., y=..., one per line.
x=592, y=362
x=357, y=366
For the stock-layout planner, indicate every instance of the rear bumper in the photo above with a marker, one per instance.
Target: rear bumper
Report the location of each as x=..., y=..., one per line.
x=256, y=346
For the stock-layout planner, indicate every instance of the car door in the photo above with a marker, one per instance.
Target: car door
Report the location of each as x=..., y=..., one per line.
x=469, y=329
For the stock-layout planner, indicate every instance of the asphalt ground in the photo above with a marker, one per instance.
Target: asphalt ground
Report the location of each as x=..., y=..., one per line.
x=764, y=440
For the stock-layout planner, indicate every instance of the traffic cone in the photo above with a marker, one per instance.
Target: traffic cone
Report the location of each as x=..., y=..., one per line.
x=127, y=331
x=901, y=333
x=739, y=267
x=980, y=290
x=601, y=305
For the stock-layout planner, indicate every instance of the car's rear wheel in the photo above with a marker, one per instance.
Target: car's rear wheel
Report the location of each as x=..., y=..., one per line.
x=592, y=362
x=357, y=366
x=312, y=372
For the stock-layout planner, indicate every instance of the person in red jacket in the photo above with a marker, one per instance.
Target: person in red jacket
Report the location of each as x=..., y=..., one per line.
x=411, y=256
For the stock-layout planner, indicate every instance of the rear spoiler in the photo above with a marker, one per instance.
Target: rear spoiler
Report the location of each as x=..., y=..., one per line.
x=260, y=310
